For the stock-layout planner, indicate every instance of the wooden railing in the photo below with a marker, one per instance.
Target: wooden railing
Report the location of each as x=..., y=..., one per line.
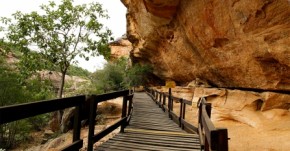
x=21, y=111
x=165, y=101
x=123, y=122
x=211, y=138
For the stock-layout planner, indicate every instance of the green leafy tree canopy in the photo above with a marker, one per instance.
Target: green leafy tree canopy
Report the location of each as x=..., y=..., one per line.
x=59, y=33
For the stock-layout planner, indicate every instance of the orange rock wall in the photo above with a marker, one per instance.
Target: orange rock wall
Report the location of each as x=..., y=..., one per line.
x=228, y=43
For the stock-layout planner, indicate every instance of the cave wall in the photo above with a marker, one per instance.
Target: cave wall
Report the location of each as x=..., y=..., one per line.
x=228, y=43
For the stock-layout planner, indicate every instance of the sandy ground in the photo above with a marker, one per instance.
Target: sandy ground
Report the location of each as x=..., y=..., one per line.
x=274, y=136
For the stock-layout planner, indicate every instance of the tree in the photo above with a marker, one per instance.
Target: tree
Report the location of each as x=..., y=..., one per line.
x=120, y=75
x=110, y=78
x=59, y=33
x=14, y=92
x=136, y=75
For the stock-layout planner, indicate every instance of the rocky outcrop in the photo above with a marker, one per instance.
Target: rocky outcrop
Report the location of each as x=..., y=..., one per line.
x=251, y=108
x=234, y=43
x=72, y=83
x=120, y=48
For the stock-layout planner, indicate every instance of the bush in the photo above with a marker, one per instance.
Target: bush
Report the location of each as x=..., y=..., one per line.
x=13, y=91
x=119, y=75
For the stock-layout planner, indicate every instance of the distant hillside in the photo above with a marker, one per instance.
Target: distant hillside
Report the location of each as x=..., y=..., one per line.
x=76, y=76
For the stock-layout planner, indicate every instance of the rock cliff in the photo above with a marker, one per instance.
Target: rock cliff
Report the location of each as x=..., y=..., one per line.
x=120, y=48
x=233, y=43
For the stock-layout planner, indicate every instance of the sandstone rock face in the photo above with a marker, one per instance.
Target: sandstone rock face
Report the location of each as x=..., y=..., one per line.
x=73, y=82
x=120, y=48
x=234, y=43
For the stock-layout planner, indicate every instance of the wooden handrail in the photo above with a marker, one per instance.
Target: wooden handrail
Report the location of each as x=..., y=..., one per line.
x=21, y=111
x=7, y=114
x=167, y=105
x=211, y=138
x=25, y=110
x=123, y=122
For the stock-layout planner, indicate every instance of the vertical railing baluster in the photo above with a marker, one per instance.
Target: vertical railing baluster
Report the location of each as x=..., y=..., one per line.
x=93, y=113
x=160, y=97
x=164, y=100
x=124, y=112
x=170, y=103
x=180, y=112
x=77, y=121
x=183, y=113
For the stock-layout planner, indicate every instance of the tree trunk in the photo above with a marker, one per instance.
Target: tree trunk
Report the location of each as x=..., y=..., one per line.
x=60, y=90
x=56, y=120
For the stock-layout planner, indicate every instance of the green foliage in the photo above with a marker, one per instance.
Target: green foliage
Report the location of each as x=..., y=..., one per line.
x=119, y=75
x=78, y=71
x=135, y=76
x=14, y=92
x=60, y=33
x=110, y=78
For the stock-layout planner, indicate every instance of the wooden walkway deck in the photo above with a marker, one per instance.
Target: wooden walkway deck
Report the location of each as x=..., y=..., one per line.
x=151, y=129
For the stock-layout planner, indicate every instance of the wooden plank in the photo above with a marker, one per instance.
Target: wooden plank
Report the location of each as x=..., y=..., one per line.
x=107, y=147
x=145, y=146
x=201, y=137
x=170, y=138
x=154, y=128
x=187, y=102
x=189, y=126
x=158, y=143
x=25, y=110
x=112, y=95
x=74, y=146
x=155, y=138
x=108, y=130
x=160, y=133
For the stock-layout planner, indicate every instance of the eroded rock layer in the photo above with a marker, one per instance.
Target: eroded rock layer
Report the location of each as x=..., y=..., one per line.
x=232, y=43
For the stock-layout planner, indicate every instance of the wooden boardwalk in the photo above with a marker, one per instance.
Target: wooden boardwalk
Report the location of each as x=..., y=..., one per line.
x=151, y=129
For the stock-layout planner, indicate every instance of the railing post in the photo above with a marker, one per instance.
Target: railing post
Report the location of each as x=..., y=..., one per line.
x=163, y=103
x=222, y=140
x=160, y=97
x=170, y=103
x=130, y=108
x=77, y=121
x=180, y=112
x=93, y=108
x=206, y=145
x=183, y=114
x=124, y=113
x=156, y=98
x=199, y=105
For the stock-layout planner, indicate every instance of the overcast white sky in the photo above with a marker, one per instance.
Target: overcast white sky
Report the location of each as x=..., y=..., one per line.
x=116, y=11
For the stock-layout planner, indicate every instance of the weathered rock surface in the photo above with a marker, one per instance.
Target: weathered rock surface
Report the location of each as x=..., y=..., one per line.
x=72, y=82
x=120, y=48
x=234, y=43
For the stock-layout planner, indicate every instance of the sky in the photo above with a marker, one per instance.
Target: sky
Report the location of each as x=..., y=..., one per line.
x=116, y=23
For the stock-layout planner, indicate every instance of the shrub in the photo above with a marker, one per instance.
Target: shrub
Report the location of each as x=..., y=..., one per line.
x=13, y=91
x=119, y=75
